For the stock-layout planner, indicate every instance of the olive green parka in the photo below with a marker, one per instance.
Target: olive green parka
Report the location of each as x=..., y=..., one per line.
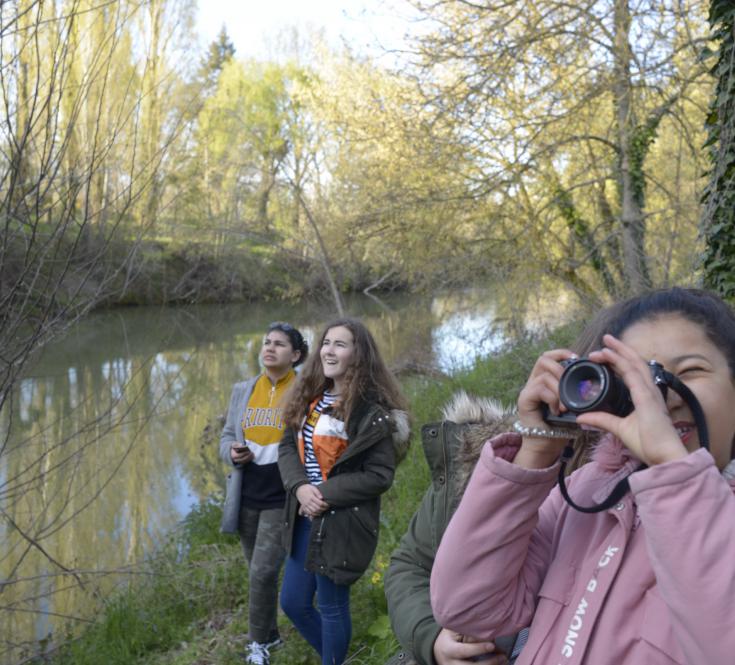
x=343, y=539
x=452, y=448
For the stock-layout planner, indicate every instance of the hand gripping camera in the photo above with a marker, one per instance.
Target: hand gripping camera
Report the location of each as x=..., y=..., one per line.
x=589, y=386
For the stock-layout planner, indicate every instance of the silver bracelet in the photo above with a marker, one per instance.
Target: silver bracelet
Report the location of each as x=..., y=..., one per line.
x=541, y=433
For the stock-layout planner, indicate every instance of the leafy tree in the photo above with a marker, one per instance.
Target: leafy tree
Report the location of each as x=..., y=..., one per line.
x=574, y=95
x=240, y=143
x=165, y=28
x=72, y=128
x=220, y=52
x=382, y=177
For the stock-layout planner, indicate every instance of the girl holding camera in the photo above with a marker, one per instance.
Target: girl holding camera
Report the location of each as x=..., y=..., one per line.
x=255, y=494
x=649, y=580
x=336, y=458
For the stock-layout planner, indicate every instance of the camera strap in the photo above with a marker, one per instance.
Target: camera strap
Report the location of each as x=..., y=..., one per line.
x=694, y=406
x=618, y=492
x=664, y=380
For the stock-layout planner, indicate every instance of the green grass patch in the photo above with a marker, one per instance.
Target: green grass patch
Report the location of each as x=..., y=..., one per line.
x=198, y=572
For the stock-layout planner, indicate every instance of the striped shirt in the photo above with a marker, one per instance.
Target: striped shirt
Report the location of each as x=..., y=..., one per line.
x=311, y=464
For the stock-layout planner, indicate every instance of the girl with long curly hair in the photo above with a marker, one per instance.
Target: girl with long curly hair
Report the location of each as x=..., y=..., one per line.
x=346, y=418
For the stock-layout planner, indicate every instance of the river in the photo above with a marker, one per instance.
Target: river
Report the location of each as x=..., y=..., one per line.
x=104, y=451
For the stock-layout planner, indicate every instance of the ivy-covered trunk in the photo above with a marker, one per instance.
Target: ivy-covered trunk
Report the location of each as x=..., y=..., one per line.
x=718, y=219
x=631, y=155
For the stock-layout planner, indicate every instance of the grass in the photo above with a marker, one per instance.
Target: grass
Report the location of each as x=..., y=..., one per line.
x=191, y=609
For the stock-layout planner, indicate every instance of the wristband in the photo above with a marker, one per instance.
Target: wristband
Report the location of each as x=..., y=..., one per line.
x=541, y=433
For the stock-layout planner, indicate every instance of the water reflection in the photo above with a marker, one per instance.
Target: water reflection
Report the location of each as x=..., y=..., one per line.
x=465, y=331
x=105, y=452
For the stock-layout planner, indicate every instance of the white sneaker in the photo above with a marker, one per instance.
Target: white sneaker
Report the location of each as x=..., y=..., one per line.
x=257, y=654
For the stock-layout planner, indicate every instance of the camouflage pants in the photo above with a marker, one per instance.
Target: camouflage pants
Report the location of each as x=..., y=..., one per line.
x=261, y=539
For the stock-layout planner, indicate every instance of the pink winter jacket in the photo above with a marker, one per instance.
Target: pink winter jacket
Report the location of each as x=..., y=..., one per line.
x=650, y=581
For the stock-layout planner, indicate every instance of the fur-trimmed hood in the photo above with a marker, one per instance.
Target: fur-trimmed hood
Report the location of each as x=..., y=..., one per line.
x=610, y=454
x=401, y=433
x=469, y=421
x=481, y=418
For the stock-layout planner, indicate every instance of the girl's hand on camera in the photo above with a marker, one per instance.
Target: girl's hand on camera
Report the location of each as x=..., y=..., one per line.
x=541, y=388
x=648, y=431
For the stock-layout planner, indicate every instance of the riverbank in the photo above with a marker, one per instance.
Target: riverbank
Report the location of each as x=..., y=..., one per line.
x=165, y=271
x=125, y=272
x=186, y=605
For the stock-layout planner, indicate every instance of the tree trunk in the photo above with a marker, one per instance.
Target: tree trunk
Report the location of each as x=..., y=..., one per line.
x=324, y=257
x=635, y=269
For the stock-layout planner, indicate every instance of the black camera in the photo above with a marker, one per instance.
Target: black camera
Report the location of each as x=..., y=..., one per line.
x=589, y=386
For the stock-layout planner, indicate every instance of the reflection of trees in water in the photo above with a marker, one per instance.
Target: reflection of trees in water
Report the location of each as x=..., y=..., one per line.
x=107, y=448
x=87, y=487
x=58, y=480
x=474, y=323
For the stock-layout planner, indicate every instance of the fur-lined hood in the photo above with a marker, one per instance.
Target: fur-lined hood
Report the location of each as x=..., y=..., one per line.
x=611, y=454
x=401, y=433
x=478, y=419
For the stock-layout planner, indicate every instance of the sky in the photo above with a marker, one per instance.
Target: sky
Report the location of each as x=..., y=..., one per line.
x=253, y=25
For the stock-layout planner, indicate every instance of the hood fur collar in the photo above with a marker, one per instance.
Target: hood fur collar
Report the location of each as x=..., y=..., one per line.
x=610, y=453
x=401, y=433
x=485, y=418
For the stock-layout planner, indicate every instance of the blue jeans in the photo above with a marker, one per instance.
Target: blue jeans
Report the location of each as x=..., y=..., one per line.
x=327, y=627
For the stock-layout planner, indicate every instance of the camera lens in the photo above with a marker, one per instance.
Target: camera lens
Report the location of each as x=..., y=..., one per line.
x=589, y=390
x=588, y=386
x=582, y=385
